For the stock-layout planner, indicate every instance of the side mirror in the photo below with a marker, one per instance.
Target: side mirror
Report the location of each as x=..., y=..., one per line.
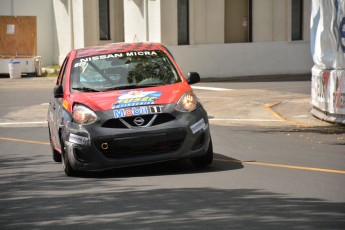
x=58, y=91
x=193, y=77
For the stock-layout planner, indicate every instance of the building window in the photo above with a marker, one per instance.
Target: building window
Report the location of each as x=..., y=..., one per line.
x=296, y=20
x=183, y=22
x=104, y=28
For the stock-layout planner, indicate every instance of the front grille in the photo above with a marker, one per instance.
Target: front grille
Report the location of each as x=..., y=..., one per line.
x=144, y=145
x=128, y=122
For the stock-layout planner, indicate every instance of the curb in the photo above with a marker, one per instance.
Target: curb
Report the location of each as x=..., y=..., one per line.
x=332, y=118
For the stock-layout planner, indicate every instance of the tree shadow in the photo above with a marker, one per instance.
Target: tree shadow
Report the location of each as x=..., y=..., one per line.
x=35, y=194
x=182, y=208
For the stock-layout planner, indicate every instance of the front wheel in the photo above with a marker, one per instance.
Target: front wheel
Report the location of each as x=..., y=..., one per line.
x=69, y=171
x=55, y=154
x=204, y=160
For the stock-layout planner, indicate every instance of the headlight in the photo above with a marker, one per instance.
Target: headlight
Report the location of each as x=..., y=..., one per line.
x=83, y=115
x=188, y=102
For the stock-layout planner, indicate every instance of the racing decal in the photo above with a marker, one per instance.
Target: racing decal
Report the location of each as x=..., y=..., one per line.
x=78, y=139
x=135, y=111
x=135, y=98
x=65, y=104
x=199, y=126
x=83, y=61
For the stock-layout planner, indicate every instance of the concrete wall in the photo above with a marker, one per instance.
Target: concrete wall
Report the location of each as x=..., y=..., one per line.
x=91, y=22
x=62, y=9
x=206, y=21
x=272, y=20
x=135, y=20
x=244, y=59
x=78, y=24
x=46, y=34
x=154, y=21
x=169, y=22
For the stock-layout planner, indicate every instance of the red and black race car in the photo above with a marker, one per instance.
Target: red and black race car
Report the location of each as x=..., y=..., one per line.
x=125, y=104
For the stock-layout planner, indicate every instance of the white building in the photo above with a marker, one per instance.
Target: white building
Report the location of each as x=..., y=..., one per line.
x=217, y=38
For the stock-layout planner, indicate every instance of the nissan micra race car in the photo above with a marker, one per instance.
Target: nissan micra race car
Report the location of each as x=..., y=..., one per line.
x=125, y=104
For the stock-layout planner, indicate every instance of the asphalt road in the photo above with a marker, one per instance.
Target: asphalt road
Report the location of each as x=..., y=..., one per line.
x=275, y=167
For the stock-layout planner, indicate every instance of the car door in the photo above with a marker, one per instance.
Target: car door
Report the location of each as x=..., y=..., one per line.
x=55, y=106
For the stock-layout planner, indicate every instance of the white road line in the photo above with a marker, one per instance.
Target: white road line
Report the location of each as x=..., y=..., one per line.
x=210, y=88
x=24, y=123
x=239, y=119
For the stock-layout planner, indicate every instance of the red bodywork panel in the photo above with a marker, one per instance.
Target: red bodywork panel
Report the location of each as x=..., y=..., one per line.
x=106, y=100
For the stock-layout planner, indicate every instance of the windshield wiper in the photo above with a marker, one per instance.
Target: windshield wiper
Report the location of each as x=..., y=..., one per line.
x=86, y=89
x=131, y=87
x=123, y=87
x=151, y=85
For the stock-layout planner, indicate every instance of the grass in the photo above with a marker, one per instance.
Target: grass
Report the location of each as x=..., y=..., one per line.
x=50, y=71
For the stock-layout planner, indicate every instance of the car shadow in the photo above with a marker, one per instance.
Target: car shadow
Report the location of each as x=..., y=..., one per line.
x=220, y=163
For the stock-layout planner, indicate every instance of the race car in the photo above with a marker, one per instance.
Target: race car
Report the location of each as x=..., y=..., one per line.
x=125, y=104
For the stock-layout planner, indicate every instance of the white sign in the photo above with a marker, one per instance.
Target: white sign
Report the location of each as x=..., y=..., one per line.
x=78, y=139
x=198, y=126
x=11, y=29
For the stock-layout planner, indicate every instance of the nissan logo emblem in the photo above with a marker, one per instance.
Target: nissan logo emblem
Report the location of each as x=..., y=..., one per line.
x=138, y=121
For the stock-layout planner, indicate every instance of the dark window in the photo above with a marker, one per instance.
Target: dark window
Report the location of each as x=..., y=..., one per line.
x=62, y=74
x=104, y=28
x=296, y=20
x=183, y=22
x=123, y=71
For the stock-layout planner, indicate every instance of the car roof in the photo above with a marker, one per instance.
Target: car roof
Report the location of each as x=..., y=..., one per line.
x=117, y=48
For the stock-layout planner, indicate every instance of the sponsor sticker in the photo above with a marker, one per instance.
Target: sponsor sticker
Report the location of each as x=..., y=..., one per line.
x=78, y=139
x=199, y=126
x=136, y=111
x=135, y=98
x=65, y=104
x=83, y=61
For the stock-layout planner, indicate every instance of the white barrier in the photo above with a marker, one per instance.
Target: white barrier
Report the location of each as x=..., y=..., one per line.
x=328, y=90
x=327, y=33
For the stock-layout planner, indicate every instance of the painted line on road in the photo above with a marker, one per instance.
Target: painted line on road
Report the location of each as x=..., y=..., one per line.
x=283, y=166
x=239, y=119
x=216, y=159
x=210, y=88
x=25, y=141
x=269, y=107
x=23, y=123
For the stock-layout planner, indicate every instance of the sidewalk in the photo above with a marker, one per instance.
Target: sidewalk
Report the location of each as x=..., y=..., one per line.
x=233, y=107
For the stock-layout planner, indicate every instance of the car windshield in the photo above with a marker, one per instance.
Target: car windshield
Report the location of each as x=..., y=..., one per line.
x=122, y=71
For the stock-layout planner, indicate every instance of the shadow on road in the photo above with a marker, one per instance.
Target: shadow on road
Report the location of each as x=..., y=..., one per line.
x=34, y=196
x=188, y=208
x=167, y=168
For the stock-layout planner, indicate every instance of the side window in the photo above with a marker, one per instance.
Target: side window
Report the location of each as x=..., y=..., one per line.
x=61, y=78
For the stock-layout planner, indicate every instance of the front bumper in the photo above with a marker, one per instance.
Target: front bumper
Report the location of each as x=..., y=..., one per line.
x=94, y=147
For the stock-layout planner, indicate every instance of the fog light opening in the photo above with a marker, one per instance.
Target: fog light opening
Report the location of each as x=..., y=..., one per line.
x=105, y=145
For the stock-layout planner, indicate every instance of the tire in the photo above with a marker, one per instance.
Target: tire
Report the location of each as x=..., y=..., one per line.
x=55, y=154
x=69, y=171
x=204, y=160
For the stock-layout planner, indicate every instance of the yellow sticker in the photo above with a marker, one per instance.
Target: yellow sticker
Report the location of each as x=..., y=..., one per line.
x=65, y=104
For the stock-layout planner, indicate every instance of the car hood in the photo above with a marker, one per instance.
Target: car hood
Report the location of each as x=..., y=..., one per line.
x=98, y=101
